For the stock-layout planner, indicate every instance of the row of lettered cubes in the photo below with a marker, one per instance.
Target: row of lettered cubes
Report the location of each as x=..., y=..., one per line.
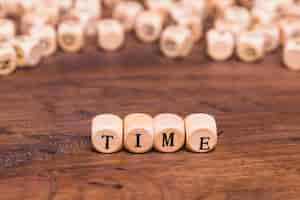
x=139, y=133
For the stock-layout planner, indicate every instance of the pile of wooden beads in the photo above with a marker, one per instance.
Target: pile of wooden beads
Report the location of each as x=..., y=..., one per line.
x=33, y=29
x=166, y=132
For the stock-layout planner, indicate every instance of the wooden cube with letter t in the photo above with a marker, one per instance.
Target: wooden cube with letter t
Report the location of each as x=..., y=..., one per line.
x=169, y=132
x=201, y=132
x=107, y=133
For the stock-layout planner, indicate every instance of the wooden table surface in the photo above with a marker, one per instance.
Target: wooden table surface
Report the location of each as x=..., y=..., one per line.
x=45, y=118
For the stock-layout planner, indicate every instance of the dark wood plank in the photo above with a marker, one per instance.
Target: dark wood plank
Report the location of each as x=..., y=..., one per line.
x=45, y=151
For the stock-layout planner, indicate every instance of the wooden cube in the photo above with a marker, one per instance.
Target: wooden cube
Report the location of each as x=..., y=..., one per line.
x=70, y=36
x=107, y=133
x=138, y=133
x=201, y=132
x=169, y=132
x=8, y=59
x=111, y=34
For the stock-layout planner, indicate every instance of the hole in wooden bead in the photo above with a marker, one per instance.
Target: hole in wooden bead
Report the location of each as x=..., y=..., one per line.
x=5, y=64
x=44, y=44
x=295, y=35
x=19, y=54
x=268, y=43
x=148, y=29
x=68, y=39
x=123, y=19
x=250, y=52
x=170, y=45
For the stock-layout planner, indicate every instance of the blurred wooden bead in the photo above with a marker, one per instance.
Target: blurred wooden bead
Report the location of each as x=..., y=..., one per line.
x=126, y=12
x=8, y=60
x=18, y=8
x=169, y=132
x=291, y=54
x=110, y=34
x=70, y=36
x=111, y=3
x=246, y=3
x=291, y=11
x=3, y=8
x=282, y=5
x=201, y=132
x=193, y=23
x=221, y=5
x=148, y=26
x=162, y=7
x=176, y=41
x=65, y=5
x=91, y=7
x=30, y=20
x=10, y=8
x=107, y=133
x=47, y=39
x=138, y=133
x=272, y=35
x=238, y=15
x=7, y=30
x=250, y=46
x=49, y=10
x=220, y=44
x=158, y=4
x=199, y=7
x=87, y=21
x=233, y=28
x=28, y=51
x=289, y=28
x=261, y=16
x=269, y=6
x=178, y=11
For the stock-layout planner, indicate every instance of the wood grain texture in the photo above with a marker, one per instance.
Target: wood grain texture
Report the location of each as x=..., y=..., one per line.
x=46, y=112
